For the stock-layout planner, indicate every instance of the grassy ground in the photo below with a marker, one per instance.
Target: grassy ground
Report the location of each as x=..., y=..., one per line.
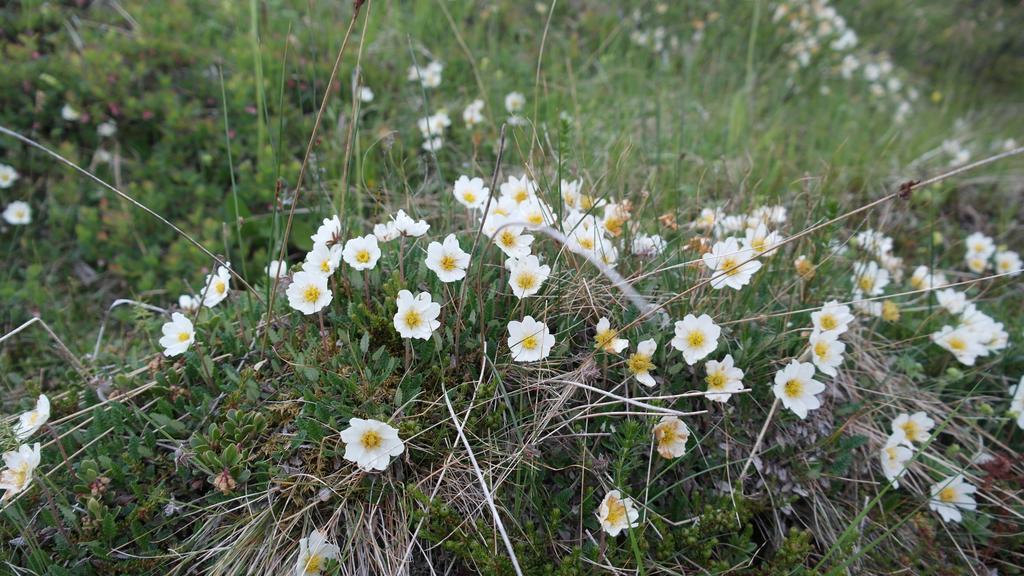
x=220, y=460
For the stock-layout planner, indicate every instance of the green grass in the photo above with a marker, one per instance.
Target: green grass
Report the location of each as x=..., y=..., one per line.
x=215, y=106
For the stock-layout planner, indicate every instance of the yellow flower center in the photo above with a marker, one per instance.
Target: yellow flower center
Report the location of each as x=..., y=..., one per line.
x=604, y=339
x=507, y=239
x=363, y=256
x=311, y=294
x=695, y=339
x=794, y=388
x=587, y=243
x=958, y=344
x=371, y=440
x=729, y=266
x=917, y=282
x=910, y=429
x=947, y=494
x=469, y=197
x=520, y=195
x=413, y=319
x=530, y=343
x=325, y=266
x=448, y=263
x=614, y=226
x=716, y=380
x=666, y=434
x=638, y=363
x=33, y=417
x=616, y=512
x=183, y=336
x=866, y=283
x=891, y=453
x=19, y=214
x=220, y=287
x=526, y=281
x=890, y=311
x=313, y=564
x=829, y=322
x=821, y=349
x=759, y=245
x=535, y=218
x=586, y=202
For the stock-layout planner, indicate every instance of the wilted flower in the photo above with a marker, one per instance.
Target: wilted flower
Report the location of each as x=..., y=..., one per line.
x=417, y=315
x=617, y=513
x=370, y=444
x=329, y=233
x=696, y=337
x=178, y=335
x=796, y=387
x=529, y=340
x=648, y=245
x=407, y=226
x=308, y=293
x=671, y=434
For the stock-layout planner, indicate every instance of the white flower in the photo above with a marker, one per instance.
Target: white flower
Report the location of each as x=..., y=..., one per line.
x=826, y=351
x=370, y=444
x=178, y=335
x=529, y=340
x=671, y=434
x=723, y=379
x=980, y=245
x=308, y=293
x=950, y=495
x=1008, y=262
x=386, y=232
x=69, y=114
x=417, y=315
x=20, y=466
x=730, y=265
x=796, y=387
x=617, y=513
x=513, y=242
x=474, y=113
x=607, y=339
x=365, y=94
x=433, y=144
x=407, y=226
x=924, y=279
x=189, y=303
x=696, y=337
x=17, y=213
x=471, y=193
x=107, y=129
x=217, y=287
x=313, y=551
x=961, y=342
x=514, y=102
x=912, y=428
x=526, y=275
x=640, y=363
x=34, y=419
x=329, y=233
x=277, y=269
x=976, y=264
x=447, y=260
x=323, y=260
x=434, y=125
x=894, y=457
x=648, y=246
x=833, y=317
x=536, y=212
x=428, y=76
x=518, y=189
x=762, y=241
x=615, y=217
x=951, y=300
x=361, y=253
x=869, y=278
